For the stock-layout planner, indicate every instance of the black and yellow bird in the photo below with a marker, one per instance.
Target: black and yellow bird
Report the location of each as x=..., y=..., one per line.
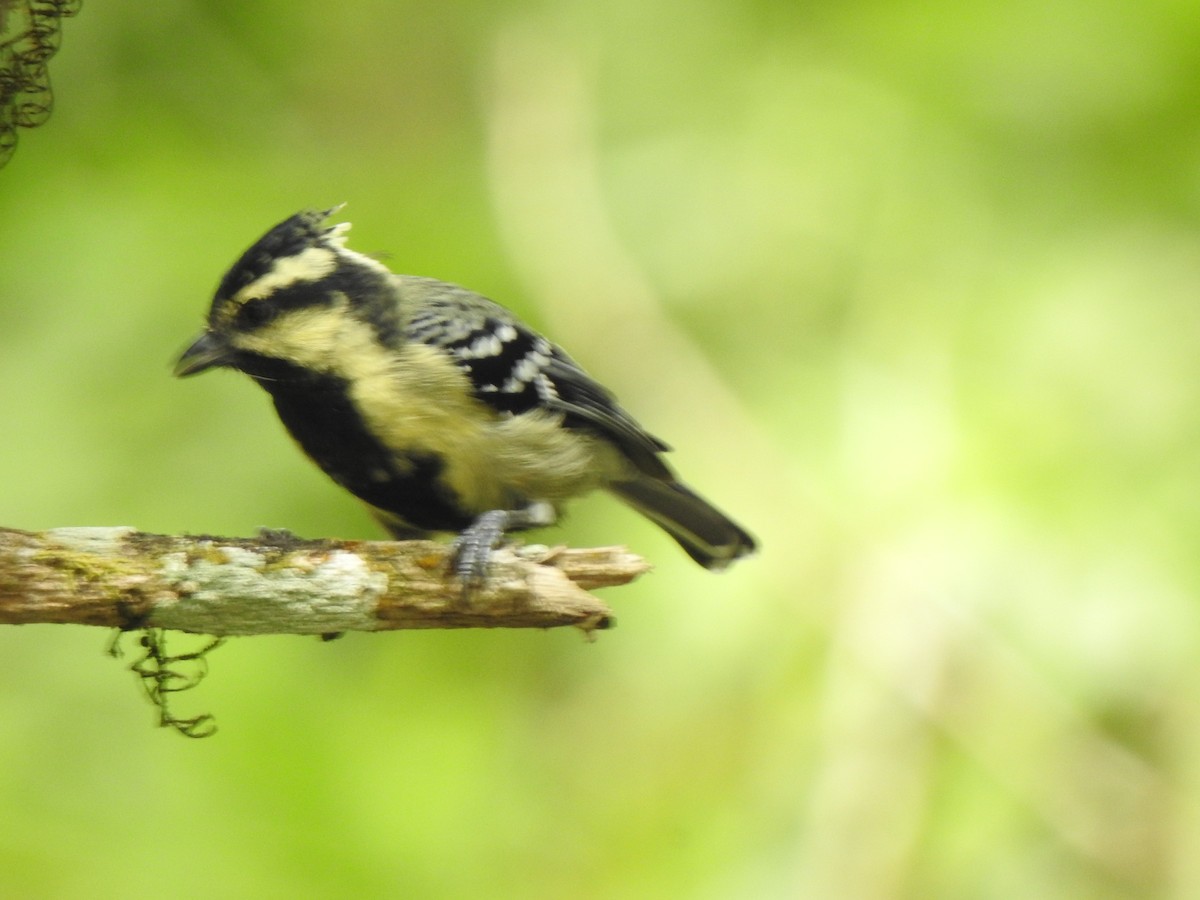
x=434, y=405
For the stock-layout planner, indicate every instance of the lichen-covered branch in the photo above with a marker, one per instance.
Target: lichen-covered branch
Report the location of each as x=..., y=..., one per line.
x=279, y=584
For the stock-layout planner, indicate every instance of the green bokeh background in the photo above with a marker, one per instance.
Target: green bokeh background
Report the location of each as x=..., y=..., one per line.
x=912, y=289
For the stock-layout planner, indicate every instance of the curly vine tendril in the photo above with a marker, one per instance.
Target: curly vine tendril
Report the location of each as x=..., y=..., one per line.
x=164, y=674
x=29, y=36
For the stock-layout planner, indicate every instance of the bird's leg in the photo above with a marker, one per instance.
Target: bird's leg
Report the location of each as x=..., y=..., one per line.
x=473, y=548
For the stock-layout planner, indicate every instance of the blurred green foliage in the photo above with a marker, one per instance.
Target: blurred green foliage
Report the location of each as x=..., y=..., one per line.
x=911, y=287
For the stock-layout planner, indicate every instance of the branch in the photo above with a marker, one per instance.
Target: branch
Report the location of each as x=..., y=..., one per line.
x=279, y=584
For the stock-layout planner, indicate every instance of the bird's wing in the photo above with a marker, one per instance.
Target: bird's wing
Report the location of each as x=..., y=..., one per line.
x=515, y=370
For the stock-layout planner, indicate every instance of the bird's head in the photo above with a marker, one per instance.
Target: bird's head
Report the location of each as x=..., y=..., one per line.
x=295, y=304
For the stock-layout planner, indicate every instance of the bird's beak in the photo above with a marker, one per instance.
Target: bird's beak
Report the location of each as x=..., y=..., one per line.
x=208, y=352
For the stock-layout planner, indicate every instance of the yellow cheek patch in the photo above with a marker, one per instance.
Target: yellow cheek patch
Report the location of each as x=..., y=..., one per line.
x=325, y=339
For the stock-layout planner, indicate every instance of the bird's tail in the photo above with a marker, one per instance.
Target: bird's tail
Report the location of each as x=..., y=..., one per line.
x=709, y=536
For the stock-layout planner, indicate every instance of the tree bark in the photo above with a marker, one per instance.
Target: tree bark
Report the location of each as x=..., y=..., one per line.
x=278, y=584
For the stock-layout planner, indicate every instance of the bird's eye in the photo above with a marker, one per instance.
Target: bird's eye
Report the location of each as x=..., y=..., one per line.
x=255, y=314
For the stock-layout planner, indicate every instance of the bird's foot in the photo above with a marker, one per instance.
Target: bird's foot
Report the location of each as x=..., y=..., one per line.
x=472, y=550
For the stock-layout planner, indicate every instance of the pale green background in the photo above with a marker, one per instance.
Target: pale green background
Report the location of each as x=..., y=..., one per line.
x=911, y=287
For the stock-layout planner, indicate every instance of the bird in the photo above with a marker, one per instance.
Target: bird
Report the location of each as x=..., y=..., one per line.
x=433, y=405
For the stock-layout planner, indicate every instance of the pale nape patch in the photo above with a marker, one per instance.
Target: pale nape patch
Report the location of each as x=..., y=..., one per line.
x=337, y=238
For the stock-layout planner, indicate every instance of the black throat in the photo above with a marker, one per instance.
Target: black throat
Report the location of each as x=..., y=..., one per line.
x=321, y=416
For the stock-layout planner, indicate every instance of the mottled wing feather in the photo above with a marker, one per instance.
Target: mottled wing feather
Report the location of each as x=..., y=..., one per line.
x=515, y=370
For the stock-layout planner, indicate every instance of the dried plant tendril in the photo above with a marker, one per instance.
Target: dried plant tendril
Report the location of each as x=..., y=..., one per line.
x=29, y=36
x=163, y=674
